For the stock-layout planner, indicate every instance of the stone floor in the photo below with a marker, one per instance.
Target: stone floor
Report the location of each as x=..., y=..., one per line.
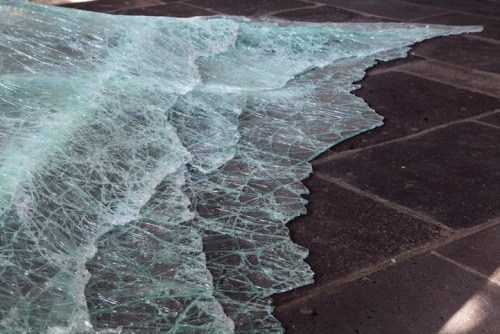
x=404, y=221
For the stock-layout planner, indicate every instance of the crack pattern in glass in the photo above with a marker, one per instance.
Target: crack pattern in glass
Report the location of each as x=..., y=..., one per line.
x=148, y=166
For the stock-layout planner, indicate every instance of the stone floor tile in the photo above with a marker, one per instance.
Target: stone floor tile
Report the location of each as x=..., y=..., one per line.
x=172, y=9
x=423, y=295
x=492, y=119
x=410, y=104
x=392, y=9
x=491, y=25
x=248, y=7
x=480, y=7
x=450, y=174
x=479, y=251
x=327, y=14
x=111, y=5
x=462, y=51
x=346, y=232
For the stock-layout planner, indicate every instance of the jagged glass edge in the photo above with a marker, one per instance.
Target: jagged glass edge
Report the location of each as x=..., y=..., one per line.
x=233, y=260
x=300, y=171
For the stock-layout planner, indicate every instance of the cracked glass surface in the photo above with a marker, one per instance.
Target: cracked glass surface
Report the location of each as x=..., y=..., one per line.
x=148, y=166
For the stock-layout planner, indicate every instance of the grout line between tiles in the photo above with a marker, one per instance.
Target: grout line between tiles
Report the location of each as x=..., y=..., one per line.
x=312, y=2
x=428, y=17
x=482, y=38
x=465, y=267
x=454, y=10
x=444, y=82
x=458, y=67
x=327, y=287
x=446, y=231
x=344, y=154
x=312, y=6
x=487, y=124
x=198, y=7
x=401, y=68
x=351, y=10
x=159, y=3
x=364, y=13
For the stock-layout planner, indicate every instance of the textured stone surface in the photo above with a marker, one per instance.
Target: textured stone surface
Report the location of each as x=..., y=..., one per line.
x=411, y=104
x=462, y=51
x=346, y=232
x=479, y=251
x=423, y=295
x=450, y=174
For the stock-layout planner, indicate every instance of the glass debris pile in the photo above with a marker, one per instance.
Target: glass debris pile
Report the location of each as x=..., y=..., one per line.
x=148, y=166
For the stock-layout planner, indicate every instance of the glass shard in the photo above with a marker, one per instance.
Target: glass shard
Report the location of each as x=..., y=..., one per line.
x=148, y=166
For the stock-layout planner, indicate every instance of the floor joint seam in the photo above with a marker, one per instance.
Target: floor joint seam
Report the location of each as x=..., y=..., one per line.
x=330, y=287
x=455, y=10
x=313, y=2
x=116, y=11
x=465, y=267
x=445, y=230
x=312, y=6
x=367, y=14
x=428, y=17
x=448, y=83
x=406, y=68
x=457, y=67
x=203, y=8
x=482, y=38
x=487, y=124
x=344, y=154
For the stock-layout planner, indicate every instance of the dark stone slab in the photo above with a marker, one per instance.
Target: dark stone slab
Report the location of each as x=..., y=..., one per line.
x=386, y=8
x=492, y=119
x=462, y=51
x=248, y=7
x=111, y=5
x=479, y=251
x=327, y=14
x=173, y=9
x=480, y=7
x=450, y=174
x=424, y=295
x=491, y=25
x=411, y=104
x=346, y=232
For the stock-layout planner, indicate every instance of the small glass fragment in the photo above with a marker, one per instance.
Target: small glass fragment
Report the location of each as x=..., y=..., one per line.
x=148, y=166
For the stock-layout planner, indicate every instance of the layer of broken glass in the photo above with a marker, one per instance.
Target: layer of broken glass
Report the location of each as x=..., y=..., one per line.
x=148, y=166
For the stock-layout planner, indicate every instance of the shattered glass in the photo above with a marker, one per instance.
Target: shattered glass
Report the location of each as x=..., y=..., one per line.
x=148, y=166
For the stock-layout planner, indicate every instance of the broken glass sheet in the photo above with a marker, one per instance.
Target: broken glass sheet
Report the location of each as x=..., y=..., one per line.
x=148, y=166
